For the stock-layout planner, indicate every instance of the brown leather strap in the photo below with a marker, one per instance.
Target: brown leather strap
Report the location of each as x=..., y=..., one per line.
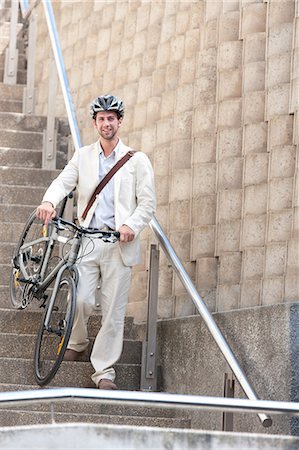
x=106, y=179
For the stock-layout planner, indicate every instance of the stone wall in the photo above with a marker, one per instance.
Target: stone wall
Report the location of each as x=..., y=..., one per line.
x=211, y=93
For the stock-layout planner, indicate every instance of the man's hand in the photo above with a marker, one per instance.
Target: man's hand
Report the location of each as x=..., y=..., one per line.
x=46, y=212
x=126, y=234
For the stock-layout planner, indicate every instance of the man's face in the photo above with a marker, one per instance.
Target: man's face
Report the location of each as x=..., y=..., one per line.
x=107, y=124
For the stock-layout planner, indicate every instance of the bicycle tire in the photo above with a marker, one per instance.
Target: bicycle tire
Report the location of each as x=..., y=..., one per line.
x=32, y=260
x=51, y=343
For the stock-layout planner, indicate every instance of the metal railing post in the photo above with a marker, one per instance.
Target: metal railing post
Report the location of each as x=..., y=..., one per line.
x=149, y=358
x=29, y=90
x=228, y=392
x=12, y=53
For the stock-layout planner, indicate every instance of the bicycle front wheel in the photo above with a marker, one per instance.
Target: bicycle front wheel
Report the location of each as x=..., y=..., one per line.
x=55, y=331
x=27, y=260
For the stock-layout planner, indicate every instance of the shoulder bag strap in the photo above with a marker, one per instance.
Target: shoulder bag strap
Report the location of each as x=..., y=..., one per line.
x=106, y=179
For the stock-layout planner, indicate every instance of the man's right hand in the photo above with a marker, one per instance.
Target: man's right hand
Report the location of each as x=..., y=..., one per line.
x=46, y=212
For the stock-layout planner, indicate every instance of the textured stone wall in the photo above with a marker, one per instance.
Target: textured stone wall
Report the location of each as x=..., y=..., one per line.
x=212, y=96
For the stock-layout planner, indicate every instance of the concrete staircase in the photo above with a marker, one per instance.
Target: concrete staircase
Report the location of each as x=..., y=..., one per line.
x=22, y=184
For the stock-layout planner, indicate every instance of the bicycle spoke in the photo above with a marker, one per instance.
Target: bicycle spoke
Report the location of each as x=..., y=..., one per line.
x=54, y=335
x=27, y=261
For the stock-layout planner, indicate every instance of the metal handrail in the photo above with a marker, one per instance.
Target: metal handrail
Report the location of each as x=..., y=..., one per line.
x=207, y=316
x=151, y=399
x=50, y=18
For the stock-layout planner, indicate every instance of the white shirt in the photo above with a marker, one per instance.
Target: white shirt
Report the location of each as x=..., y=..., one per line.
x=104, y=212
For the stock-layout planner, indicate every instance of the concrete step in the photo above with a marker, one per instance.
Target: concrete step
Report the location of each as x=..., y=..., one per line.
x=11, y=92
x=22, y=346
x=24, y=195
x=96, y=436
x=15, y=157
x=6, y=3
x=15, y=213
x=23, y=417
x=9, y=232
x=72, y=374
x=11, y=97
x=5, y=28
x=4, y=42
x=105, y=436
x=91, y=407
x=4, y=275
x=27, y=322
x=22, y=122
x=11, y=106
x=5, y=14
x=21, y=139
x=6, y=252
x=4, y=297
x=14, y=176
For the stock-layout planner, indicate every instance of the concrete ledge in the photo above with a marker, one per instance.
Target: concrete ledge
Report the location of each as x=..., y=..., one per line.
x=265, y=341
x=78, y=436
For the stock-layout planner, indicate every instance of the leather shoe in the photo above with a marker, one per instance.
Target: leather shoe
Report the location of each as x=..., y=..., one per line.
x=104, y=383
x=72, y=355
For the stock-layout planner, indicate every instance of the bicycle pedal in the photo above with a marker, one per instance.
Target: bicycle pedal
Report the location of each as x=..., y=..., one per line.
x=24, y=280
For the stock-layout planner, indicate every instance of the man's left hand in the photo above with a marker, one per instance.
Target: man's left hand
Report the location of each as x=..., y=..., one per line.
x=126, y=234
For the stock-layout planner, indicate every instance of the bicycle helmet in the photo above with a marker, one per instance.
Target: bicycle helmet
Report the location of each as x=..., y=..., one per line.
x=107, y=103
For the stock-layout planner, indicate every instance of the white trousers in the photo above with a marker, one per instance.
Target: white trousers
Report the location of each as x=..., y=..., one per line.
x=102, y=261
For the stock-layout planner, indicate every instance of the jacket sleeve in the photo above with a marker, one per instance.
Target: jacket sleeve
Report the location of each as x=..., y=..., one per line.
x=145, y=194
x=64, y=183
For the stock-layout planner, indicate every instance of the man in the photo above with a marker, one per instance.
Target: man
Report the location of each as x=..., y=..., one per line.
x=126, y=204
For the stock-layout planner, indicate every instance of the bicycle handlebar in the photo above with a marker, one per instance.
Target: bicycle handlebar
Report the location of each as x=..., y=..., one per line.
x=59, y=220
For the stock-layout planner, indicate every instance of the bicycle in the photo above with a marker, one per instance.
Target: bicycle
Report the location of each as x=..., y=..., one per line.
x=32, y=277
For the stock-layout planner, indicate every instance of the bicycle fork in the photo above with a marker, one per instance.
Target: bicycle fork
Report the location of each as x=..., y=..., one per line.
x=69, y=265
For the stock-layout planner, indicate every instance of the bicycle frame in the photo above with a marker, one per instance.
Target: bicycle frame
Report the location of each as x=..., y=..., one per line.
x=40, y=284
x=55, y=288
x=68, y=262
x=27, y=246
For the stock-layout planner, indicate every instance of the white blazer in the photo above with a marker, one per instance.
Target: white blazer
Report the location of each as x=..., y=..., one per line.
x=134, y=192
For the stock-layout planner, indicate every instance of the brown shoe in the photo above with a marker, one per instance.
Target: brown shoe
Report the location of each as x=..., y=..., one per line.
x=72, y=355
x=104, y=383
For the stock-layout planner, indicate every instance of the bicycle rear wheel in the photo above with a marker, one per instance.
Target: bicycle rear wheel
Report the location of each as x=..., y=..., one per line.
x=53, y=337
x=27, y=260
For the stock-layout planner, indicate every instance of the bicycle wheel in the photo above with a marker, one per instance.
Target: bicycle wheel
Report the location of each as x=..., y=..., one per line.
x=27, y=260
x=52, y=338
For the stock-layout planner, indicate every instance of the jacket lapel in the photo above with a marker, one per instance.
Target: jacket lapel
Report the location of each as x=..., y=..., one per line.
x=93, y=164
x=123, y=149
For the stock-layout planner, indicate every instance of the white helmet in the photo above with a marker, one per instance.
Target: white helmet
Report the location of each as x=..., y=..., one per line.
x=107, y=103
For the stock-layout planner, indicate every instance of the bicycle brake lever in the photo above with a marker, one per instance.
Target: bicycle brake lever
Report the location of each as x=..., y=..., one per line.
x=58, y=224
